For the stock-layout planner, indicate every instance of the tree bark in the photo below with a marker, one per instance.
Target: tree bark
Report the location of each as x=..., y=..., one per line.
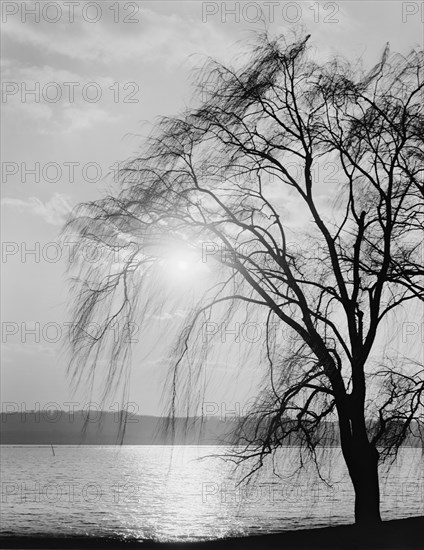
x=363, y=469
x=361, y=459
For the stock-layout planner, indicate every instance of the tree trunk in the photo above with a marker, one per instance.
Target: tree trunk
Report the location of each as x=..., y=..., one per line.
x=363, y=469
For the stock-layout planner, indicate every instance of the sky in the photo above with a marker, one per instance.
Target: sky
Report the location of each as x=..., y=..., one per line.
x=81, y=87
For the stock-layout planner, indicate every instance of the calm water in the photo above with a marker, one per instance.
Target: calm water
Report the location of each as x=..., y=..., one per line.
x=168, y=494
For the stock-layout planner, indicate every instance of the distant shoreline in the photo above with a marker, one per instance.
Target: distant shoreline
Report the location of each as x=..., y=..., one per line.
x=395, y=534
x=57, y=427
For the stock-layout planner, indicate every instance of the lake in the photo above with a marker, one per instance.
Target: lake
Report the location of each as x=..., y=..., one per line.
x=174, y=493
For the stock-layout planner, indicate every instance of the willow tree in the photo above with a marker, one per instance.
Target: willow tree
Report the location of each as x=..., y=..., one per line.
x=329, y=259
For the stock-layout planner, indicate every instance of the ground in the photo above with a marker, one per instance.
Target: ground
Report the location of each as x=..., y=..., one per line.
x=398, y=534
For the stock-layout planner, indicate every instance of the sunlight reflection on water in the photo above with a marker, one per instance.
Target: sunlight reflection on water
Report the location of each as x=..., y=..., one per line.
x=156, y=492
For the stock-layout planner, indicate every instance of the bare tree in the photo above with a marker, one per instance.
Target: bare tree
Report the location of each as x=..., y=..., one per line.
x=239, y=171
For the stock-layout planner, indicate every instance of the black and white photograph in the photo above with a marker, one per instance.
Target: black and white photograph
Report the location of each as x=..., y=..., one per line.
x=212, y=275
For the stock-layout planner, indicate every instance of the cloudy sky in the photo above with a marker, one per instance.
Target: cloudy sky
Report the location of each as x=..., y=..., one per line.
x=79, y=91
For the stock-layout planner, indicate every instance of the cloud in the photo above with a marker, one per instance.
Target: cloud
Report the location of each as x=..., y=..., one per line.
x=165, y=38
x=12, y=350
x=28, y=86
x=75, y=119
x=181, y=313
x=53, y=212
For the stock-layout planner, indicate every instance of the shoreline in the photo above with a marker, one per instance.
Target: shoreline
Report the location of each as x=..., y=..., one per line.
x=394, y=534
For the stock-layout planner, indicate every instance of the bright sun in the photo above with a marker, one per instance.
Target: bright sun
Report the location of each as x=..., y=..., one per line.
x=184, y=266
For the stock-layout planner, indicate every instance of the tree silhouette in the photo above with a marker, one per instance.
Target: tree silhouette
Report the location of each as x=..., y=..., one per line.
x=239, y=172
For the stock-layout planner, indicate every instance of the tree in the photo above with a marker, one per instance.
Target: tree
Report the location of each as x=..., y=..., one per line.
x=224, y=174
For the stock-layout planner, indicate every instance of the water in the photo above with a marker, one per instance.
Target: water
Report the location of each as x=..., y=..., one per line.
x=164, y=493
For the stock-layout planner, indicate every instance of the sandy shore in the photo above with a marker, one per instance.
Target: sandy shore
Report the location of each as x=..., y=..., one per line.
x=397, y=534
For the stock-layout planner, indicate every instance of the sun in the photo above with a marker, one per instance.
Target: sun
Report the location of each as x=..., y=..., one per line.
x=182, y=265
